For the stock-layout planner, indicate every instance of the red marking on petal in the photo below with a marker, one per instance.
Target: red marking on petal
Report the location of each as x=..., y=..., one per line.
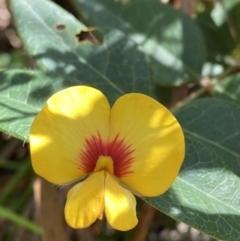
x=117, y=149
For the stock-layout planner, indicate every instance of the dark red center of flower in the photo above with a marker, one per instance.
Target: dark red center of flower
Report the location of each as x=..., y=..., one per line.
x=119, y=151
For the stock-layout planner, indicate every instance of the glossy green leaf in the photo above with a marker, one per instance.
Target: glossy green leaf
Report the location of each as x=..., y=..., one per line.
x=22, y=94
x=229, y=88
x=206, y=194
x=53, y=37
x=115, y=67
x=171, y=39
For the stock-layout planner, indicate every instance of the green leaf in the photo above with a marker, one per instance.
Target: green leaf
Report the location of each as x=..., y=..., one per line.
x=206, y=193
x=215, y=44
x=171, y=39
x=229, y=88
x=22, y=95
x=115, y=67
x=49, y=34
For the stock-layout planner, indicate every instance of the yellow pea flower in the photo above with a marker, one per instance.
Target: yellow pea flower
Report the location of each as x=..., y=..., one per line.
x=135, y=146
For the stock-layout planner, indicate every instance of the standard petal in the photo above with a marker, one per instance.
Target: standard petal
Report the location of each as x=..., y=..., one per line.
x=155, y=138
x=60, y=130
x=120, y=205
x=85, y=201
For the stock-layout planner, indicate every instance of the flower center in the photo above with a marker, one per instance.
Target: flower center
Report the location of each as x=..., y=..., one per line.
x=104, y=163
x=115, y=156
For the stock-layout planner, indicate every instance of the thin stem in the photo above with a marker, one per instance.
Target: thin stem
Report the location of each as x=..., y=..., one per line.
x=189, y=99
x=209, y=87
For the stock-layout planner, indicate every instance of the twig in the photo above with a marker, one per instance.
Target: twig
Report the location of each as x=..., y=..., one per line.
x=144, y=224
x=51, y=213
x=189, y=99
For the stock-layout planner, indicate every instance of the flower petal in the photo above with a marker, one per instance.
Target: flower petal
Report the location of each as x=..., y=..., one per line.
x=59, y=132
x=85, y=201
x=120, y=205
x=156, y=139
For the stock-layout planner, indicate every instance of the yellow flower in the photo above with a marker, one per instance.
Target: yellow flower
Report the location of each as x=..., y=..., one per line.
x=135, y=146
